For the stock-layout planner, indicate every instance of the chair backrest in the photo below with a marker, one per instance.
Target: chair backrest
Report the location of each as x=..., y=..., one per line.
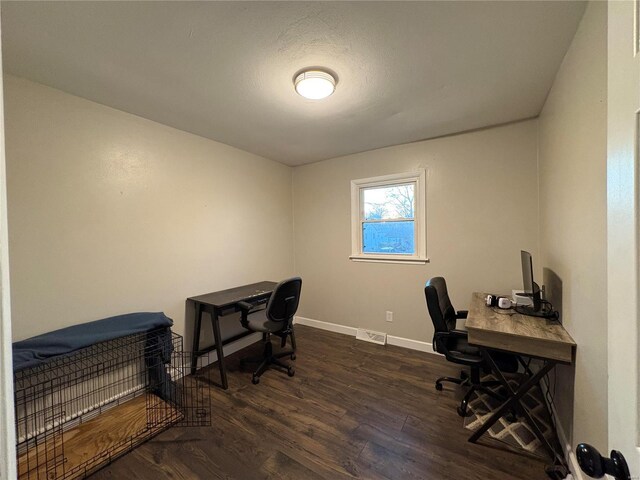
x=442, y=313
x=284, y=300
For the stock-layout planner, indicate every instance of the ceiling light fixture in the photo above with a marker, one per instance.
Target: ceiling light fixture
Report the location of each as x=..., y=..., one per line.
x=315, y=84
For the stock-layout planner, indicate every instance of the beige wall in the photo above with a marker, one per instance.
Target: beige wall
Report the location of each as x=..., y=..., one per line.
x=573, y=223
x=471, y=179
x=110, y=213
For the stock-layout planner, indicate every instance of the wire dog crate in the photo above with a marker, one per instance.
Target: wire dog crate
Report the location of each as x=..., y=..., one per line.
x=78, y=412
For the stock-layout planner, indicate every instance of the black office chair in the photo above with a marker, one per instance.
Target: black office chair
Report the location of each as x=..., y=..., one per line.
x=276, y=319
x=454, y=346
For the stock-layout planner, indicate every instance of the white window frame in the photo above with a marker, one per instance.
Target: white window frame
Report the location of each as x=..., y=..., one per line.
x=418, y=178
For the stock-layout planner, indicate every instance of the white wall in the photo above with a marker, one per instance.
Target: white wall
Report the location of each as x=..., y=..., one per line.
x=623, y=122
x=573, y=222
x=471, y=179
x=110, y=213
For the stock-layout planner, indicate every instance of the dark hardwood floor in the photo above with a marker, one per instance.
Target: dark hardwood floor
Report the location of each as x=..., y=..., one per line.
x=353, y=410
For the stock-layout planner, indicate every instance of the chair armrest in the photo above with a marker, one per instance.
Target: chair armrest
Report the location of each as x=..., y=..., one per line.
x=245, y=309
x=462, y=313
x=245, y=306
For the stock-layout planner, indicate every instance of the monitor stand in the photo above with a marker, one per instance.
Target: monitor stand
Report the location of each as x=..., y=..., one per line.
x=535, y=310
x=532, y=312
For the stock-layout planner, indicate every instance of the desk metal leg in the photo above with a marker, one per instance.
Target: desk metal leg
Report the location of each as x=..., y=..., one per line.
x=196, y=338
x=217, y=337
x=514, y=400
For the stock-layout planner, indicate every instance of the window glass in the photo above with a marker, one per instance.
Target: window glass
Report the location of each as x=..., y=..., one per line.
x=388, y=221
x=389, y=202
x=388, y=237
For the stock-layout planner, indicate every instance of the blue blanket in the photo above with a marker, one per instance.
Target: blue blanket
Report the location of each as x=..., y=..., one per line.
x=36, y=350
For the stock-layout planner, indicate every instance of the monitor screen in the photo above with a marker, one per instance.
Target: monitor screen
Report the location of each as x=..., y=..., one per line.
x=527, y=272
x=531, y=289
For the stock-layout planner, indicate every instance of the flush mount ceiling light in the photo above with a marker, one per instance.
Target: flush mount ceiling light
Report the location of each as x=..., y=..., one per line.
x=315, y=84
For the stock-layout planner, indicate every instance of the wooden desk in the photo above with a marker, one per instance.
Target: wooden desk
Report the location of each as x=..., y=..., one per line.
x=492, y=329
x=516, y=333
x=222, y=303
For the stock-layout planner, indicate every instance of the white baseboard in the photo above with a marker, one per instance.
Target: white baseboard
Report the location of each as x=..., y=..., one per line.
x=331, y=327
x=391, y=340
x=569, y=454
x=212, y=356
x=411, y=344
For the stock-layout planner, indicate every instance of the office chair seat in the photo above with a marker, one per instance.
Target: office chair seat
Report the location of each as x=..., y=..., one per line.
x=258, y=322
x=462, y=349
x=459, y=351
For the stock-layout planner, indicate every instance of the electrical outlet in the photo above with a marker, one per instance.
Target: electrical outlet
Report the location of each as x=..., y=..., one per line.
x=389, y=316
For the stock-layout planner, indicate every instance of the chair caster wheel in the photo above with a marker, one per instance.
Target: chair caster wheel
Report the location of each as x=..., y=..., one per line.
x=439, y=387
x=462, y=413
x=293, y=356
x=291, y=372
x=255, y=380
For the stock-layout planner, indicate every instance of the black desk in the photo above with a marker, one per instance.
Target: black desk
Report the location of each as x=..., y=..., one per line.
x=222, y=303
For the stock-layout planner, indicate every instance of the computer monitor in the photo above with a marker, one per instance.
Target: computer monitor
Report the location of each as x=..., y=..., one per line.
x=531, y=290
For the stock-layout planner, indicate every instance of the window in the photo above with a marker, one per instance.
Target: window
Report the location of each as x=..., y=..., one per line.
x=388, y=219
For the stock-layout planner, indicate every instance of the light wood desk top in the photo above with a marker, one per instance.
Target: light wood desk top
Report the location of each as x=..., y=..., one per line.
x=516, y=333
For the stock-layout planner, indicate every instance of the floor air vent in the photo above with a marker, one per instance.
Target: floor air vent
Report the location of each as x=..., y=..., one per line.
x=370, y=336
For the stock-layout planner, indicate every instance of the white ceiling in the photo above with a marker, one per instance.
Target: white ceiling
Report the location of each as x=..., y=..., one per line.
x=406, y=71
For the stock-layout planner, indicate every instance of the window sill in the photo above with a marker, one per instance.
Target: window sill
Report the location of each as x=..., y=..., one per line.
x=387, y=259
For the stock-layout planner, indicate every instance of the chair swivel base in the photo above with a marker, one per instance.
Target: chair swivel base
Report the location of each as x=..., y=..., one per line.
x=457, y=381
x=269, y=360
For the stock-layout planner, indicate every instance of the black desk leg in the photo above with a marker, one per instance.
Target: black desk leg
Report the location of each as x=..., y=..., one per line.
x=217, y=337
x=196, y=338
x=514, y=400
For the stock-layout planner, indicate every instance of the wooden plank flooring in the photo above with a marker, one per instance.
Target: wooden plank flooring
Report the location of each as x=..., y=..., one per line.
x=353, y=410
